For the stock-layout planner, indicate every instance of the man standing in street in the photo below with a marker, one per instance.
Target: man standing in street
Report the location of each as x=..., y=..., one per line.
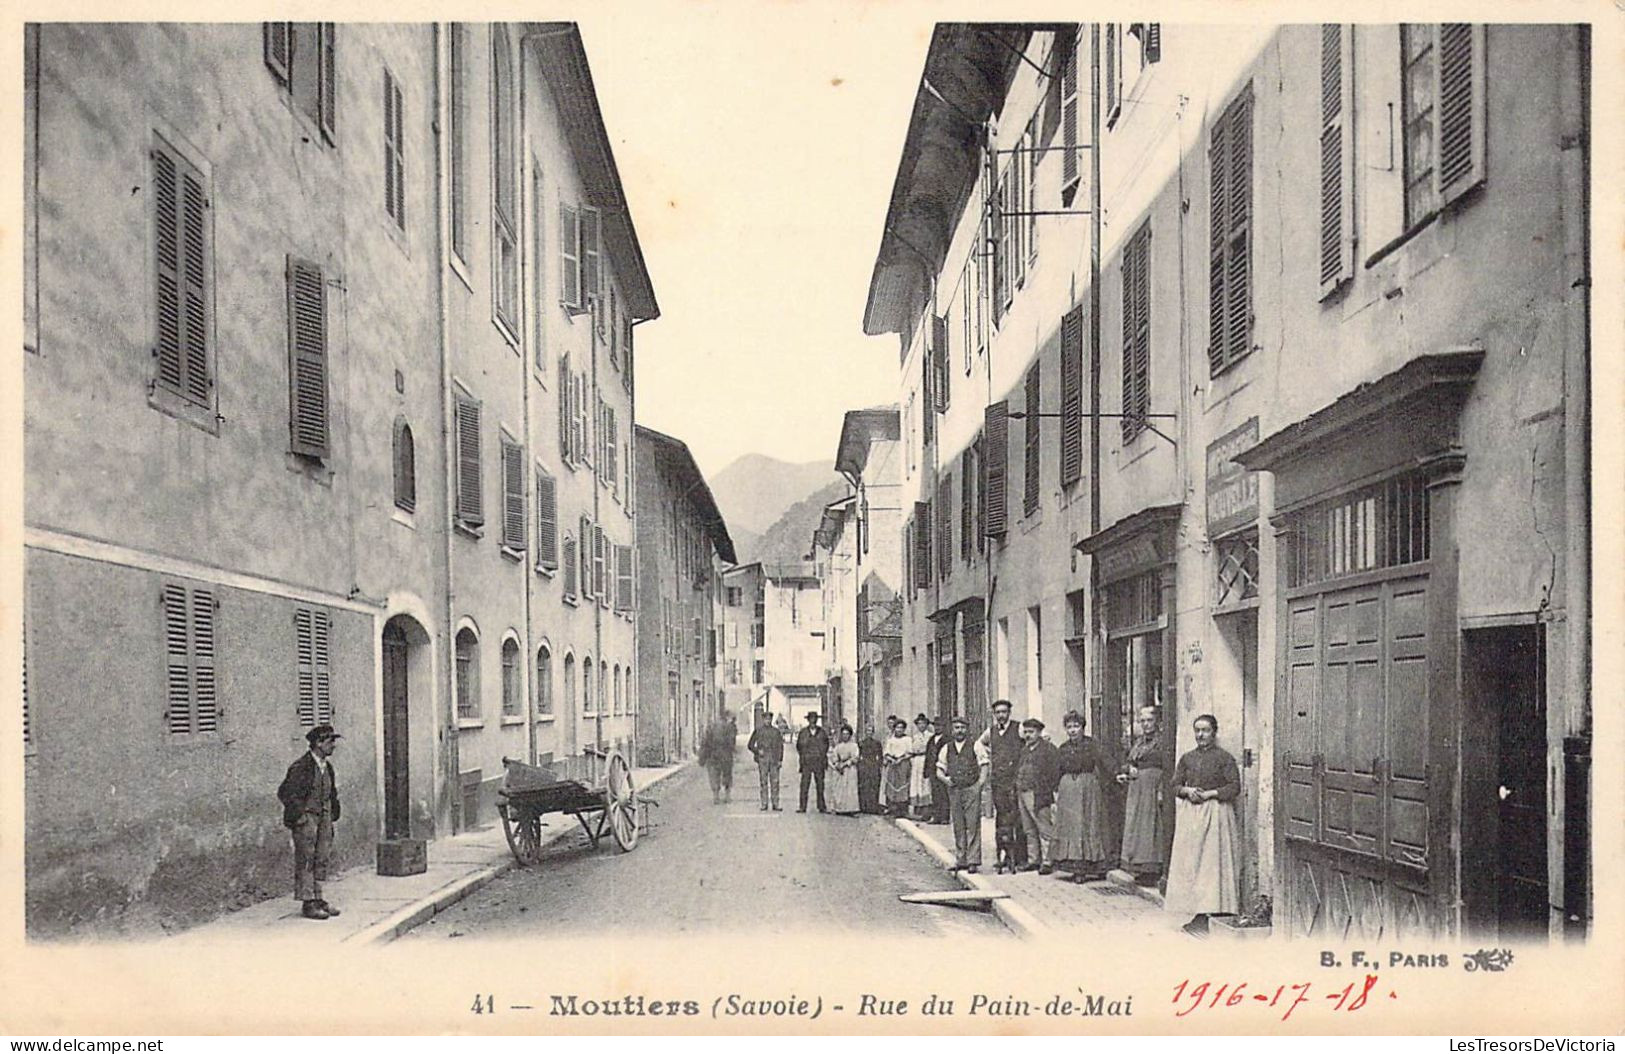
x=1203, y=875
x=717, y=755
x=1037, y=775
x=937, y=810
x=310, y=804
x=961, y=766
x=767, y=747
x=812, y=756
x=1002, y=742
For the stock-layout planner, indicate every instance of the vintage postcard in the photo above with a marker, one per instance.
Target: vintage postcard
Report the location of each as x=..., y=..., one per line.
x=824, y=517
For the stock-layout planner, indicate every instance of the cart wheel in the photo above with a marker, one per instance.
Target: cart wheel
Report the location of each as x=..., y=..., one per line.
x=523, y=828
x=622, y=804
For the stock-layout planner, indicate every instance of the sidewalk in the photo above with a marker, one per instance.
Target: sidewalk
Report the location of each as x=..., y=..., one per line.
x=377, y=908
x=1042, y=905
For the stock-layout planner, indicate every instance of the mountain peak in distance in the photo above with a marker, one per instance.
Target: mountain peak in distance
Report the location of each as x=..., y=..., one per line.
x=755, y=489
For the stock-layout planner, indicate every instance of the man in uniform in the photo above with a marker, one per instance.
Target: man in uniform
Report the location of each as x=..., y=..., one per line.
x=310, y=804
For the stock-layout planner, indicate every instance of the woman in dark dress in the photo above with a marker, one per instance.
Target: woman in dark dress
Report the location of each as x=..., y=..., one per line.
x=1080, y=806
x=869, y=755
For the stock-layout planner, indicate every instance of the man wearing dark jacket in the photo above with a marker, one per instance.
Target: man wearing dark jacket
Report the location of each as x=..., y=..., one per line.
x=812, y=756
x=767, y=747
x=310, y=804
x=1038, y=773
x=937, y=811
x=1003, y=743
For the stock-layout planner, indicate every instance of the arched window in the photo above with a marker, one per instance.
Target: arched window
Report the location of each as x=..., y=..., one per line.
x=603, y=689
x=631, y=700
x=544, y=682
x=406, y=479
x=468, y=673
x=617, y=684
x=586, y=685
x=569, y=678
x=512, y=692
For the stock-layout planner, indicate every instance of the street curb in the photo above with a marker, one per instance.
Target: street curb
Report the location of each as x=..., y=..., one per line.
x=1123, y=880
x=421, y=911
x=1016, y=918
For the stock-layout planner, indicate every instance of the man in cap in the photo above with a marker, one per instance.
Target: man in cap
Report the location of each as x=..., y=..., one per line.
x=1037, y=775
x=1002, y=742
x=812, y=755
x=310, y=804
x=961, y=766
x=767, y=747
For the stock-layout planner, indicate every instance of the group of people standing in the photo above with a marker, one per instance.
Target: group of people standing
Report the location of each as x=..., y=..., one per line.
x=1049, y=801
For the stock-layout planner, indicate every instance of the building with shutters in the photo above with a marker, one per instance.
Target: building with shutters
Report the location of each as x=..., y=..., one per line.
x=342, y=244
x=1309, y=450
x=744, y=641
x=834, y=553
x=683, y=546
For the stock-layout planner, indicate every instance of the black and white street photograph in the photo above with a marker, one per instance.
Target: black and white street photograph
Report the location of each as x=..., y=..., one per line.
x=685, y=476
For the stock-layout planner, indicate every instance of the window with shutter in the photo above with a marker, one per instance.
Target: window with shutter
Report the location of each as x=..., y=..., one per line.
x=592, y=276
x=457, y=136
x=307, y=359
x=923, y=526
x=327, y=79
x=613, y=471
x=600, y=567
x=996, y=462
x=468, y=674
x=980, y=449
x=1015, y=174
x=406, y=482
x=1230, y=190
x=568, y=560
x=547, y=521
x=928, y=397
x=278, y=39
x=1336, y=157
x=587, y=537
x=939, y=345
x=312, y=632
x=1029, y=503
x=570, y=259
x=192, y=704
x=623, y=578
x=504, y=165
x=544, y=682
x=394, y=162
x=184, y=272
x=566, y=449
x=513, y=496
x=538, y=269
x=1443, y=101
x=513, y=696
x=967, y=507
x=967, y=293
x=1112, y=74
x=1067, y=58
x=1136, y=333
x=1029, y=162
x=1071, y=459
x=945, y=525
x=470, y=498
x=583, y=434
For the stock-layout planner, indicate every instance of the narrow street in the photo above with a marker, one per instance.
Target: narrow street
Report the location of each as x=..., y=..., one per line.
x=711, y=869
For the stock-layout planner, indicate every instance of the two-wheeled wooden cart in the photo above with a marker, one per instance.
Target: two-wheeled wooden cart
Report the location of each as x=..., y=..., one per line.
x=530, y=792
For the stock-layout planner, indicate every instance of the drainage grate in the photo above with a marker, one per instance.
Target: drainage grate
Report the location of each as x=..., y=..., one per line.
x=1113, y=891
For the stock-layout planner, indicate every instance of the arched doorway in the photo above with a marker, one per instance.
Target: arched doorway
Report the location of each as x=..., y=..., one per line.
x=402, y=639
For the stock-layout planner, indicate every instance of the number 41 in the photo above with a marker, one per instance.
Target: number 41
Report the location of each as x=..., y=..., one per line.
x=484, y=1004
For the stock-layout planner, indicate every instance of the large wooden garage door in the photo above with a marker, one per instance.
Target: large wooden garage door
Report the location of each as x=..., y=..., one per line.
x=1356, y=801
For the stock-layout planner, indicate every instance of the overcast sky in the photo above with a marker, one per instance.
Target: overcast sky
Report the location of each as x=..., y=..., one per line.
x=758, y=155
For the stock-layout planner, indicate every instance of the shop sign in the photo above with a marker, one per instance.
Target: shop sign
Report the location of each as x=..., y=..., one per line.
x=1232, y=491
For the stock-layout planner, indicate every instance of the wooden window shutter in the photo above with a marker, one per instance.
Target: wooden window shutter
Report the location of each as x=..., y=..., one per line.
x=586, y=536
x=181, y=349
x=569, y=257
x=307, y=359
x=967, y=507
x=614, y=470
x=1336, y=157
x=623, y=578
x=327, y=79
x=592, y=269
x=1071, y=459
x=177, y=661
x=1152, y=42
x=980, y=447
x=939, y=343
x=1460, y=109
x=547, y=520
x=513, y=496
x=1136, y=334
x=312, y=638
x=394, y=165
x=205, y=697
x=923, y=525
x=565, y=453
x=1230, y=158
x=1218, y=209
x=470, y=498
x=1029, y=162
x=278, y=48
x=1029, y=501
x=945, y=524
x=928, y=400
x=996, y=459
x=600, y=566
x=1070, y=175
x=908, y=557
x=457, y=122
x=568, y=559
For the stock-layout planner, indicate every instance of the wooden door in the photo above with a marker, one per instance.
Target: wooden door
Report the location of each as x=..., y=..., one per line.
x=397, y=771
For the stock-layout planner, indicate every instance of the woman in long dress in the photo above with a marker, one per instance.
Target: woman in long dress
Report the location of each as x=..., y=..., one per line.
x=898, y=759
x=843, y=768
x=919, y=787
x=870, y=753
x=1142, y=773
x=1080, y=808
